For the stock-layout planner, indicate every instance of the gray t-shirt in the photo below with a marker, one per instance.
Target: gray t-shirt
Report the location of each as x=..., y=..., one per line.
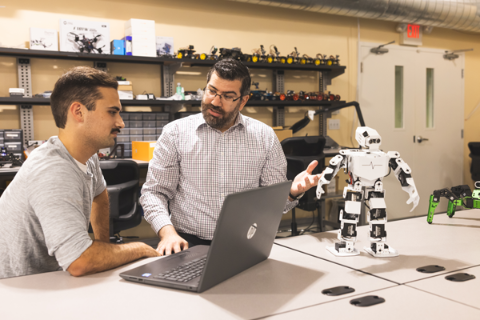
x=45, y=211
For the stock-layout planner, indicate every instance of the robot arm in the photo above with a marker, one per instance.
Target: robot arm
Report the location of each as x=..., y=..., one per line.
x=335, y=164
x=404, y=174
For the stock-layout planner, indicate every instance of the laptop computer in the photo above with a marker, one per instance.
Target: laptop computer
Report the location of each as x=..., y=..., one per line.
x=244, y=236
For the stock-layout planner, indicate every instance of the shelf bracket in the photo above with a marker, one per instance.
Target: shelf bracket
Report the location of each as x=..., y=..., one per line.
x=26, y=111
x=169, y=71
x=26, y=123
x=324, y=80
x=102, y=66
x=278, y=116
x=278, y=81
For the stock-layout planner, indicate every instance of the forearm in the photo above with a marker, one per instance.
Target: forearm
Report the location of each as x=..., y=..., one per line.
x=100, y=217
x=155, y=208
x=101, y=256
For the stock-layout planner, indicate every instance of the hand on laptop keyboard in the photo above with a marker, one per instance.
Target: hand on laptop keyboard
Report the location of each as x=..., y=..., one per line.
x=170, y=241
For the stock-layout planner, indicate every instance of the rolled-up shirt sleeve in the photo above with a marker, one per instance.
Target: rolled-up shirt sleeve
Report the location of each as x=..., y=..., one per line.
x=275, y=168
x=162, y=180
x=100, y=183
x=60, y=211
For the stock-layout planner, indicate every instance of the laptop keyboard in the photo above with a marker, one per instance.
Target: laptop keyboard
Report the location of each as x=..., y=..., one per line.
x=184, y=272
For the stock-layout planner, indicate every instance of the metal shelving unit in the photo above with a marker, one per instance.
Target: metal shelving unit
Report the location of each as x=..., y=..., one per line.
x=154, y=103
x=169, y=66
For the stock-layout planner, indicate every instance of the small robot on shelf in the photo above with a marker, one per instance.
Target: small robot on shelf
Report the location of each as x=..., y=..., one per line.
x=366, y=168
x=186, y=53
x=459, y=196
x=259, y=55
x=234, y=53
x=274, y=55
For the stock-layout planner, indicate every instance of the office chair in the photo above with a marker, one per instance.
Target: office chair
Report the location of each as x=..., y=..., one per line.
x=300, y=151
x=475, y=155
x=122, y=179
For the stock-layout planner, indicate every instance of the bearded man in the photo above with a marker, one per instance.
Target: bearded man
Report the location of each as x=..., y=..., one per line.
x=201, y=159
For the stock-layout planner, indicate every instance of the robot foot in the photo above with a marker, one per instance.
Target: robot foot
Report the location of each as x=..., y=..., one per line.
x=381, y=250
x=344, y=249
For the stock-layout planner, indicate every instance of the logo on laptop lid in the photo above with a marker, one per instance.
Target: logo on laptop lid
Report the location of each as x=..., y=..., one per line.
x=251, y=231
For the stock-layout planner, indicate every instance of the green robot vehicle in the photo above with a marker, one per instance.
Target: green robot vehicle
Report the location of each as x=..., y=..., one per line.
x=457, y=196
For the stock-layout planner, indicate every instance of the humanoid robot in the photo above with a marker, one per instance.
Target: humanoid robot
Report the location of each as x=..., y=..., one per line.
x=366, y=168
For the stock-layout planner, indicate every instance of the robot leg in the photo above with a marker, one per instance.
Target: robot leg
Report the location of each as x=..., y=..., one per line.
x=348, y=230
x=377, y=218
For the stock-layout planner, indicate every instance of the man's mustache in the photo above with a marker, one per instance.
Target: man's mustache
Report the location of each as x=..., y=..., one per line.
x=215, y=109
x=115, y=130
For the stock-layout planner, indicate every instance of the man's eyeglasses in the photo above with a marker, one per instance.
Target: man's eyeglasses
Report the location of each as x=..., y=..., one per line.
x=227, y=98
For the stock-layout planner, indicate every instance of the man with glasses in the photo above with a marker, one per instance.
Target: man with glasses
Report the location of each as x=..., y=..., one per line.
x=201, y=159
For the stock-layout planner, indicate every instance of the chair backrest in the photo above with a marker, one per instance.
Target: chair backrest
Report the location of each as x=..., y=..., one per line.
x=300, y=152
x=475, y=155
x=117, y=171
x=303, y=146
x=122, y=178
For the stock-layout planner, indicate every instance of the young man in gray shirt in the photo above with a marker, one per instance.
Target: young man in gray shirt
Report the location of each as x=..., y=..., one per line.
x=46, y=210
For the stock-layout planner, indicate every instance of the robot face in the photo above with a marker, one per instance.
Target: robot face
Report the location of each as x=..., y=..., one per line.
x=368, y=138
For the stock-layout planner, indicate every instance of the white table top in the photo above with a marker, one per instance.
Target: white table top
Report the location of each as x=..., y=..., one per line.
x=288, y=280
x=401, y=302
x=448, y=242
x=467, y=292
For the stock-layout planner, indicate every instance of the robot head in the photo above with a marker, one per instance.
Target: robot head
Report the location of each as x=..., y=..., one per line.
x=368, y=138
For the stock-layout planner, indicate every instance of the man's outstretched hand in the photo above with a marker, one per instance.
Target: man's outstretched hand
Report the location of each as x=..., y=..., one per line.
x=305, y=180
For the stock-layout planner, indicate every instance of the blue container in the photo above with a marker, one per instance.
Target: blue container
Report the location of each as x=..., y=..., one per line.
x=118, y=47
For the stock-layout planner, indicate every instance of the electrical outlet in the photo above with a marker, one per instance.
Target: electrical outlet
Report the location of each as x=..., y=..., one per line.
x=334, y=124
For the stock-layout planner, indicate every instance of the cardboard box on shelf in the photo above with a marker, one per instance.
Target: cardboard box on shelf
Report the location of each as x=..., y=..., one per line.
x=71, y=30
x=282, y=134
x=143, y=150
x=165, y=45
x=125, y=92
x=43, y=39
x=142, y=33
x=125, y=88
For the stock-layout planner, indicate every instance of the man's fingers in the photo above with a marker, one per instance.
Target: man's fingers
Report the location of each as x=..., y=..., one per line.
x=176, y=247
x=312, y=166
x=168, y=249
x=310, y=181
x=185, y=245
x=160, y=249
x=299, y=188
x=307, y=182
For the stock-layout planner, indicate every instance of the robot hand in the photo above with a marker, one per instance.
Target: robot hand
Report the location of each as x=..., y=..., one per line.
x=413, y=195
x=319, y=190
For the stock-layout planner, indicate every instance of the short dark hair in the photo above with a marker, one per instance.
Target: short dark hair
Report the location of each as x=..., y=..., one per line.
x=79, y=84
x=230, y=69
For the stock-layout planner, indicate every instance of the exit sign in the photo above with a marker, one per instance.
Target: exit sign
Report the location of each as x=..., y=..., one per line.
x=412, y=36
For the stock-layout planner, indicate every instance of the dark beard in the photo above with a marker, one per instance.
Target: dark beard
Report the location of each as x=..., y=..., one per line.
x=223, y=121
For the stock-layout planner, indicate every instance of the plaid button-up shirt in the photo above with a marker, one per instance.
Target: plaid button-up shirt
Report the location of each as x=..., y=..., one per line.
x=195, y=166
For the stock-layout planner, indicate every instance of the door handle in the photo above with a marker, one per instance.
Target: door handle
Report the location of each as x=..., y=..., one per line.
x=420, y=139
